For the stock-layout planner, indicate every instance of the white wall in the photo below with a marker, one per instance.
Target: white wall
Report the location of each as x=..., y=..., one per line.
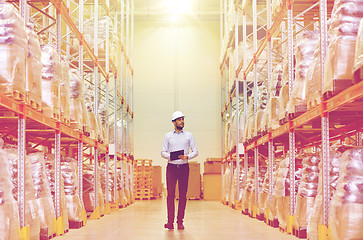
x=176, y=68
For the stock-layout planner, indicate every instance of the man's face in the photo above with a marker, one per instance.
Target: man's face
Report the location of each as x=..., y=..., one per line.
x=179, y=123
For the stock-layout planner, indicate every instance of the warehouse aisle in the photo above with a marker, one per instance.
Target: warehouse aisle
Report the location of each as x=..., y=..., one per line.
x=205, y=220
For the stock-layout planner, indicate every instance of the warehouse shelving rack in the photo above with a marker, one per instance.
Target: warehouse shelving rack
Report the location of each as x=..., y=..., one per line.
x=333, y=119
x=56, y=19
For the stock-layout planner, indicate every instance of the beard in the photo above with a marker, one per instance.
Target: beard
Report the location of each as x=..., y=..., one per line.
x=179, y=128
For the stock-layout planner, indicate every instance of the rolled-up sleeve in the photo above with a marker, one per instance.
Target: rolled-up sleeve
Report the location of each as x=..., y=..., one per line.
x=164, y=151
x=193, y=147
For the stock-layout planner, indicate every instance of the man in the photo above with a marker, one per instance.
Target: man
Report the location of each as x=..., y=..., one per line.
x=177, y=141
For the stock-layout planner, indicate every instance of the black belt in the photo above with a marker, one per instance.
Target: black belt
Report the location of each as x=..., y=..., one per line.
x=178, y=165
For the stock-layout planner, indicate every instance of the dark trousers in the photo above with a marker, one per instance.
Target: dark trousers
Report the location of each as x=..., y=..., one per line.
x=174, y=174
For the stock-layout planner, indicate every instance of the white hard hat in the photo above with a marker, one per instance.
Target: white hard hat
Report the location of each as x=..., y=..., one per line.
x=177, y=115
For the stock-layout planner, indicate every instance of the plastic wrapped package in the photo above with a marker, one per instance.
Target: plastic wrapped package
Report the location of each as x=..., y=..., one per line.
x=89, y=190
x=110, y=183
x=71, y=186
x=76, y=98
x=102, y=113
x=51, y=78
x=227, y=183
x=242, y=182
x=34, y=66
x=250, y=127
x=89, y=104
x=346, y=207
x=261, y=174
x=313, y=78
x=263, y=195
x=304, y=54
x=234, y=128
x=234, y=187
x=260, y=111
x=50, y=169
x=31, y=207
x=13, y=50
x=43, y=194
x=64, y=91
x=9, y=213
x=307, y=191
x=340, y=61
x=316, y=217
x=358, y=61
x=247, y=194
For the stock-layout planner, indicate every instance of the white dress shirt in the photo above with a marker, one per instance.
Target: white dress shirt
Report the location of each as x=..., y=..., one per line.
x=174, y=141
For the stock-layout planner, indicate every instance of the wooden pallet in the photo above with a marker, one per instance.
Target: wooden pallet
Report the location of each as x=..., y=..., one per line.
x=75, y=225
x=273, y=223
x=34, y=104
x=65, y=121
x=14, y=94
x=49, y=111
x=300, y=232
x=338, y=86
x=311, y=103
x=76, y=125
x=283, y=229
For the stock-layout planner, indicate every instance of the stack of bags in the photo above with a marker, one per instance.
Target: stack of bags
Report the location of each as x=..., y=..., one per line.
x=9, y=213
x=346, y=207
x=13, y=50
x=52, y=75
x=304, y=54
x=343, y=28
x=77, y=108
x=43, y=195
x=31, y=207
x=50, y=170
x=34, y=66
x=71, y=187
x=308, y=190
x=64, y=90
x=247, y=193
x=89, y=195
x=316, y=217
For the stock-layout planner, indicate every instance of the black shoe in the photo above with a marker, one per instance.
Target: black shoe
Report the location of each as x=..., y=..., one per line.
x=169, y=226
x=181, y=226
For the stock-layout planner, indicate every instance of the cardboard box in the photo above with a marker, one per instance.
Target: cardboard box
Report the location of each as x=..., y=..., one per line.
x=194, y=184
x=157, y=184
x=212, y=167
x=212, y=187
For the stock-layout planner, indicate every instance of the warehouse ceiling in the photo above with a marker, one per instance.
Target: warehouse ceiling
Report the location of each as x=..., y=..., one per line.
x=169, y=9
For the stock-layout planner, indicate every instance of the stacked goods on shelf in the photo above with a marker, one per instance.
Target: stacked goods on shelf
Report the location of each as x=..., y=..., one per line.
x=234, y=187
x=157, y=184
x=282, y=192
x=9, y=213
x=271, y=117
x=316, y=217
x=227, y=183
x=89, y=195
x=261, y=109
x=304, y=54
x=249, y=129
x=102, y=113
x=284, y=92
x=50, y=169
x=358, y=61
x=89, y=104
x=343, y=28
x=43, y=196
x=13, y=49
x=233, y=134
x=271, y=206
x=31, y=208
x=252, y=205
x=143, y=178
x=51, y=78
x=77, y=109
x=263, y=197
x=64, y=93
x=121, y=191
x=33, y=68
x=346, y=207
x=227, y=133
x=247, y=193
x=308, y=190
x=110, y=183
x=75, y=207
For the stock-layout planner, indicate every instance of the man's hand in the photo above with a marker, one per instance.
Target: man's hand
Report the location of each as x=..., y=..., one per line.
x=183, y=157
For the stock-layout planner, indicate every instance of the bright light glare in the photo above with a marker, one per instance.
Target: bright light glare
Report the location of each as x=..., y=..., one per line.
x=180, y=6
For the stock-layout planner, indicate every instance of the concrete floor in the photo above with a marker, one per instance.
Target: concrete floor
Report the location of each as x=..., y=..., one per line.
x=204, y=220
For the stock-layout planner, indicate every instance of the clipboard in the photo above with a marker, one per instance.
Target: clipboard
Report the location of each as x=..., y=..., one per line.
x=174, y=155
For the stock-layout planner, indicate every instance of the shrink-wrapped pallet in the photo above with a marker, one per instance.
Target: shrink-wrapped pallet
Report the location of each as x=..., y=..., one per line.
x=71, y=189
x=34, y=66
x=304, y=54
x=263, y=196
x=344, y=25
x=50, y=169
x=313, y=80
x=316, y=217
x=43, y=195
x=271, y=207
x=247, y=194
x=31, y=208
x=90, y=109
x=346, y=207
x=13, y=50
x=358, y=61
x=227, y=183
x=307, y=191
x=89, y=196
x=109, y=183
x=234, y=127
x=76, y=103
x=253, y=205
x=51, y=78
x=261, y=109
x=282, y=191
x=9, y=213
x=64, y=91
x=102, y=113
